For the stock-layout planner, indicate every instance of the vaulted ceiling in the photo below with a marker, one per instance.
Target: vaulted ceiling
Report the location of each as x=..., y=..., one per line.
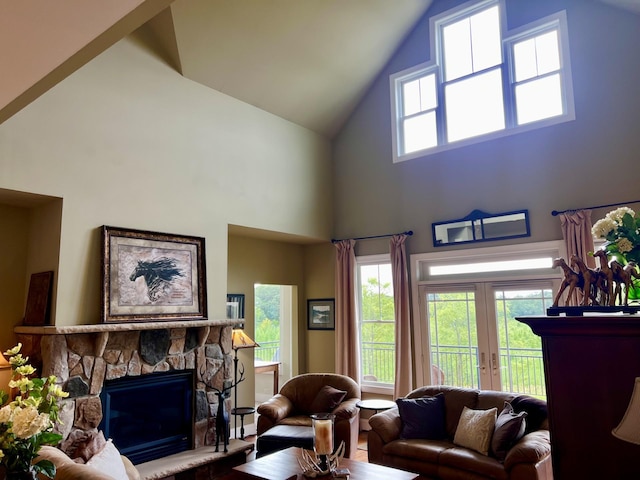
x=308, y=61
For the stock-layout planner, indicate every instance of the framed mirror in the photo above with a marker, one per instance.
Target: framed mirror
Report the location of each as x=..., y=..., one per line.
x=480, y=226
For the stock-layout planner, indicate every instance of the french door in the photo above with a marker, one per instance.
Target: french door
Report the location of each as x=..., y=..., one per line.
x=474, y=339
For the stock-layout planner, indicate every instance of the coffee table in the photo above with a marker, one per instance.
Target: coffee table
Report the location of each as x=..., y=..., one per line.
x=283, y=465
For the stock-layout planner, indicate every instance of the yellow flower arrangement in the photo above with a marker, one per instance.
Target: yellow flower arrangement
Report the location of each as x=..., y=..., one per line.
x=27, y=420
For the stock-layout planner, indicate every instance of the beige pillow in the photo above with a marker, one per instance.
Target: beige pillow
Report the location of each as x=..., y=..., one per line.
x=108, y=461
x=475, y=429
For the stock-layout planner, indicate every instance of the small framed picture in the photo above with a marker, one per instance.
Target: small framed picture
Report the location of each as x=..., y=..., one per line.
x=321, y=314
x=235, y=305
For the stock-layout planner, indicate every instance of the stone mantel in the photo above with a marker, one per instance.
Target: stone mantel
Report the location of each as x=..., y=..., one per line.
x=121, y=327
x=83, y=357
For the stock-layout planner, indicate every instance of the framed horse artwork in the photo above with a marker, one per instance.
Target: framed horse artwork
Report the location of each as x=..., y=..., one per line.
x=148, y=276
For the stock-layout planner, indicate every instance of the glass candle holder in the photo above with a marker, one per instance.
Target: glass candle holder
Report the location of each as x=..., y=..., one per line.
x=323, y=437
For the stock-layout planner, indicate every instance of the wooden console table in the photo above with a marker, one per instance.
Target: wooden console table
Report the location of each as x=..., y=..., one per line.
x=260, y=366
x=590, y=367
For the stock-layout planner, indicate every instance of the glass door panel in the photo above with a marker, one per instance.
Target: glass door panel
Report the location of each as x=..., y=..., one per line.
x=519, y=363
x=454, y=338
x=475, y=340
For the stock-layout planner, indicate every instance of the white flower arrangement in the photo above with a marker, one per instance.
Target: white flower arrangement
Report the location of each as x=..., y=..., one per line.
x=27, y=420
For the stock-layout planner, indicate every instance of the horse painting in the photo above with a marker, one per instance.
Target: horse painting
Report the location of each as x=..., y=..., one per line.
x=158, y=275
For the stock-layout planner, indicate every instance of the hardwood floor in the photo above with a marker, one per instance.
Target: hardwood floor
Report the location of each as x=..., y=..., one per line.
x=361, y=454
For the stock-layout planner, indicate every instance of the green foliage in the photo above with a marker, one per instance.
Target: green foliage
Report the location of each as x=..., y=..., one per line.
x=267, y=320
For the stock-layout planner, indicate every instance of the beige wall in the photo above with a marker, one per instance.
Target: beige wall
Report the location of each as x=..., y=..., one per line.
x=576, y=164
x=251, y=261
x=319, y=266
x=126, y=141
x=14, y=234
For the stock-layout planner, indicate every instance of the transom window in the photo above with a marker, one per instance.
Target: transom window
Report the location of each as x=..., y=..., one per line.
x=484, y=82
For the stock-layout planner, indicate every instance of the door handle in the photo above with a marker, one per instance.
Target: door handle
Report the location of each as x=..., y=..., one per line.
x=494, y=363
x=483, y=362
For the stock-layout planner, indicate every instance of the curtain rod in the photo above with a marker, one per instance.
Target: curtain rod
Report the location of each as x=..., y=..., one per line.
x=408, y=232
x=555, y=212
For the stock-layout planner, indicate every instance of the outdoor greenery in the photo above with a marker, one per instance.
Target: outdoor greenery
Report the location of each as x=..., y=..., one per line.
x=267, y=318
x=452, y=329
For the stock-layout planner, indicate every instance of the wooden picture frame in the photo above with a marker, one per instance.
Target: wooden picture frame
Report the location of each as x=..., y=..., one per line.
x=149, y=276
x=321, y=314
x=38, y=309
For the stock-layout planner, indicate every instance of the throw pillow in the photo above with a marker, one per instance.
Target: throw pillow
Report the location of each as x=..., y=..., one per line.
x=108, y=461
x=327, y=399
x=81, y=445
x=475, y=429
x=422, y=417
x=536, y=411
x=509, y=429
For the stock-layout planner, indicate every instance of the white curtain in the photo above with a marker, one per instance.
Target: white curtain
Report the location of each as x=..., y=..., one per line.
x=347, y=335
x=404, y=339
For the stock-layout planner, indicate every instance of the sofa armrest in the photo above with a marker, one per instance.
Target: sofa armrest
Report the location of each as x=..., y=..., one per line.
x=276, y=408
x=387, y=425
x=532, y=448
x=347, y=409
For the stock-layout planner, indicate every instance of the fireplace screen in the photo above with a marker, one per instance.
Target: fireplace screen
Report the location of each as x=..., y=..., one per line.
x=149, y=416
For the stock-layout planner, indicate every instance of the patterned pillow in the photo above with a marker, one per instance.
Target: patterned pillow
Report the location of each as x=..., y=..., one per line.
x=475, y=429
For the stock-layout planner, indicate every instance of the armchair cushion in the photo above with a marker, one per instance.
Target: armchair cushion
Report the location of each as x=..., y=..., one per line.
x=326, y=399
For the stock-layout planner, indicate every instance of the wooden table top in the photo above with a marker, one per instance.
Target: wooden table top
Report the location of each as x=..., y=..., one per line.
x=283, y=465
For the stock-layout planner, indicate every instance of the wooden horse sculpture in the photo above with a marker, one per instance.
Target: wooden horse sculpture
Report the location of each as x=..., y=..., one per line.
x=571, y=280
x=621, y=277
x=222, y=415
x=589, y=277
x=630, y=268
x=605, y=278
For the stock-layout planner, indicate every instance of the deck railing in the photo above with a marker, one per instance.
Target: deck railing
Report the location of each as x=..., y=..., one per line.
x=268, y=351
x=522, y=369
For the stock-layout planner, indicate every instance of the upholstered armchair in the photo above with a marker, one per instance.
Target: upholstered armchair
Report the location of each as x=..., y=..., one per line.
x=311, y=393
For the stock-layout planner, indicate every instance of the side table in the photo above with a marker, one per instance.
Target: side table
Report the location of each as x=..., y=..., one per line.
x=242, y=411
x=375, y=404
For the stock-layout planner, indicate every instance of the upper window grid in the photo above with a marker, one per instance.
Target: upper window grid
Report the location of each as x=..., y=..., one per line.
x=562, y=76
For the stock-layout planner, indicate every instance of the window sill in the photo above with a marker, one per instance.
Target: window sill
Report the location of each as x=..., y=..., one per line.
x=381, y=389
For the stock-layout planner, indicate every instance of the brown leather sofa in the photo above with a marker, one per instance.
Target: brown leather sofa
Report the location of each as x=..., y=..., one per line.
x=528, y=459
x=293, y=405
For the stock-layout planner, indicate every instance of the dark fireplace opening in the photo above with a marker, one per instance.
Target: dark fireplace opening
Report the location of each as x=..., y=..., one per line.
x=149, y=416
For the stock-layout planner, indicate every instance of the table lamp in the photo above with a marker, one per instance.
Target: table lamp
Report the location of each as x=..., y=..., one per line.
x=629, y=428
x=239, y=340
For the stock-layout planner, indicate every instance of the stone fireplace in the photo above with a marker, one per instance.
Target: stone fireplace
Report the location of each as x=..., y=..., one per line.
x=83, y=357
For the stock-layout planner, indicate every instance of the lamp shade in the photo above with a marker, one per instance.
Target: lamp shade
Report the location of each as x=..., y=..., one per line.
x=239, y=339
x=629, y=428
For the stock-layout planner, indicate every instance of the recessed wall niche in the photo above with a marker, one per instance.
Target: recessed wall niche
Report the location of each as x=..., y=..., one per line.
x=30, y=226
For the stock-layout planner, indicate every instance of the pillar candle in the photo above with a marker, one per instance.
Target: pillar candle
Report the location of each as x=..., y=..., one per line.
x=323, y=432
